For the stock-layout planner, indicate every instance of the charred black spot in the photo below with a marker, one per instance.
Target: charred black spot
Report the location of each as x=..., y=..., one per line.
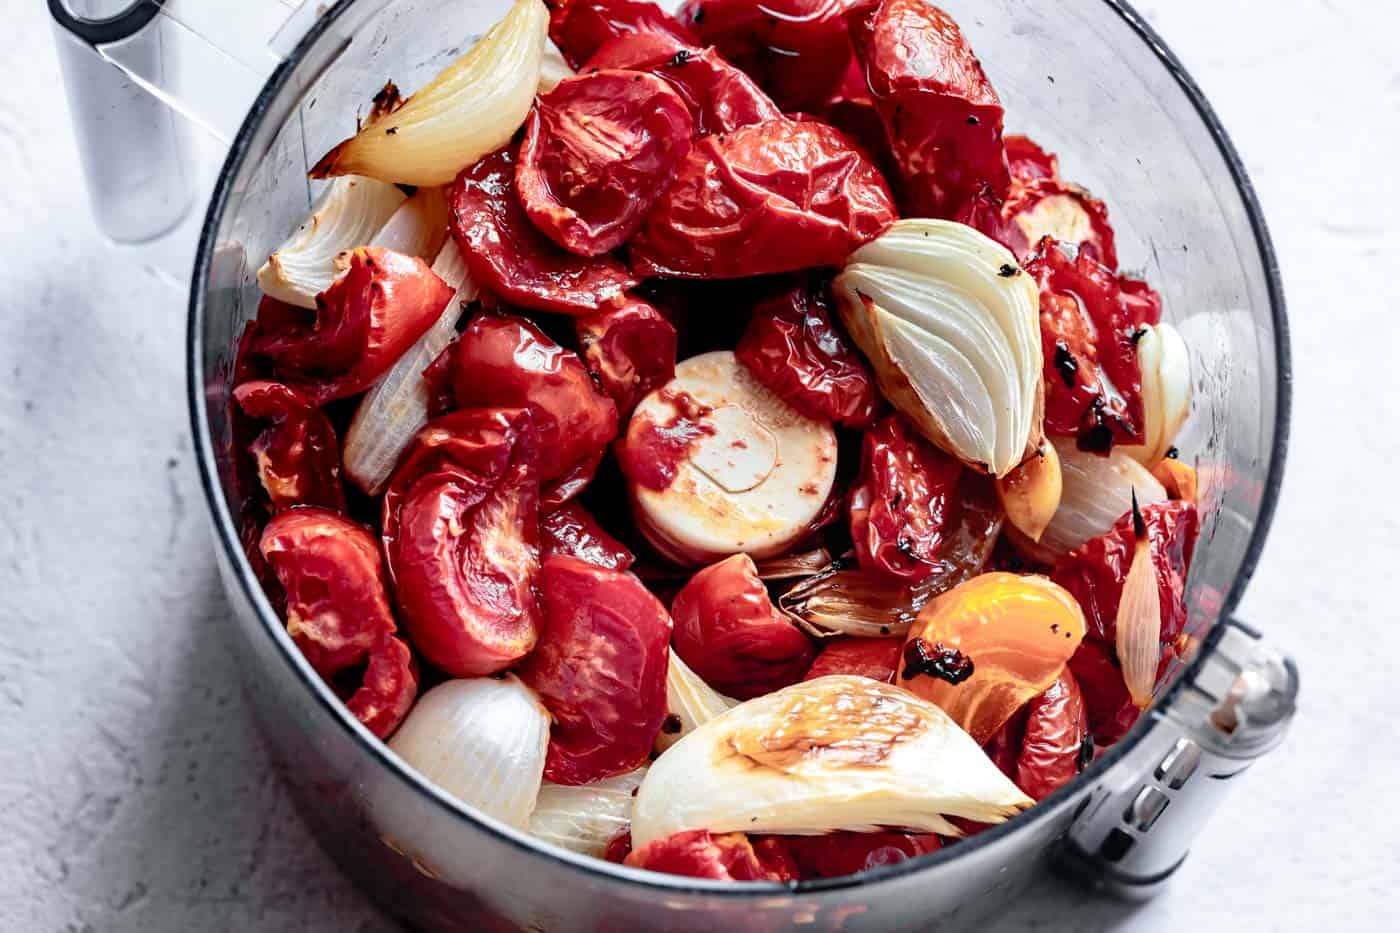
x=1086, y=752
x=1066, y=365
x=972, y=120
x=671, y=724
x=1137, y=335
x=699, y=16
x=680, y=58
x=1008, y=271
x=391, y=131
x=1173, y=453
x=942, y=662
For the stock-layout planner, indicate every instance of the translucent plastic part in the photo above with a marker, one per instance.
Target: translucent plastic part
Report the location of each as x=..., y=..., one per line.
x=1087, y=80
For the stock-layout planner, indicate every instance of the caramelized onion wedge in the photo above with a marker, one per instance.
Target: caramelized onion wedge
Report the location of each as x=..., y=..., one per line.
x=950, y=322
x=1166, y=391
x=395, y=410
x=691, y=702
x=472, y=108
x=586, y=817
x=836, y=753
x=1030, y=494
x=1096, y=491
x=1139, y=621
x=346, y=215
x=481, y=740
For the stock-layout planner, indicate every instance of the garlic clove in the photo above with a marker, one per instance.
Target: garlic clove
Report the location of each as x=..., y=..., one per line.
x=1031, y=493
x=1166, y=391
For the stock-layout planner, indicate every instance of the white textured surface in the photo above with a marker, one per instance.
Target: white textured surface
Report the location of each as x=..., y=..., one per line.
x=134, y=795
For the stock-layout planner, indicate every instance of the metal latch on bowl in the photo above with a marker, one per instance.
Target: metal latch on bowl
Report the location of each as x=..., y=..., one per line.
x=1139, y=822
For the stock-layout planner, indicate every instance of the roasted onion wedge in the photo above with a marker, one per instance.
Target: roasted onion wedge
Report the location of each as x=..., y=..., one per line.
x=836, y=753
x=949, y=321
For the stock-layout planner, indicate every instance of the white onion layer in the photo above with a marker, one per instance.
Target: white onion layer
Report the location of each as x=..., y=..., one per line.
x=585, y=818
x=346, y=215
x=690, y=700
x=483, y=741
x=1166, y=391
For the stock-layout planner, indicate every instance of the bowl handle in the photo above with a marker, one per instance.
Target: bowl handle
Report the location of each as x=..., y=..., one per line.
x=1136, y=827
x=137, y=72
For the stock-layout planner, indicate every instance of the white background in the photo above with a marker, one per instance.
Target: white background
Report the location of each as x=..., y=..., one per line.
x=135, y=796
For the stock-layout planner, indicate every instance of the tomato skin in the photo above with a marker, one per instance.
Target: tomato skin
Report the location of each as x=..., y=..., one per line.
x=942, y=118
x=296, y=457
x=599, y=668
x=571, y=531
x=580, y=27
x=876, y=658
x=1088, y=335
x=505, y=361
x=461, y=528
x=362, y=324
x=333, y=576
x=798, y=188
x=599, y=149
x=793, y=348
x=630, y=350
x=730, y=634
x=721, y=97
x=699, y=854
x=795, y=49
x=904, y=501
x=388, y=688
x=1028, y=160
x=505, y=252
x=1094, y=572
x=1052, y=746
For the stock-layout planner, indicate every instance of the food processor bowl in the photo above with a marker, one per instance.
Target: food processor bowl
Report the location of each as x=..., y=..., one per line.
x=1086, y=78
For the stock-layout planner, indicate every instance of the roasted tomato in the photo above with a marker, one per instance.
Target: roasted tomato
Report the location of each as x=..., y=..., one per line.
x=507, y=254
x=1094, y=572
x=504, y=361
x=794, y=349
x=581, y=27
x=698, y=854
x=941, y=115
x=903, y=502
x=337, y=606
x=1109, y=706
x=598, y=150
x=1044, y=747
x=296, y=455
x=843, y=853
x=361, y=326
x=571, y=531
x=876, y=658
x=630, y=350
x=721, y=97
x=461, y=527
x=730, y=634
x=796, y=50
x=600, y=670
x=800, y=189
x=987, y=646
x=1028, y=161
x=387, y=689
x=1088, y=334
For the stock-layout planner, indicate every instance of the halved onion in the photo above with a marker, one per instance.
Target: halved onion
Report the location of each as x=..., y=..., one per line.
x=1096, y=491
x=553, y=68
x=472, y=108
x=1166, y=391
x=835, y=753
x=483, y=741
x=690, y=700
x=346, y=215
x=417, y=228
x=950, y=322
x=396, y=408
x=586, y=817
x=1139, y=621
